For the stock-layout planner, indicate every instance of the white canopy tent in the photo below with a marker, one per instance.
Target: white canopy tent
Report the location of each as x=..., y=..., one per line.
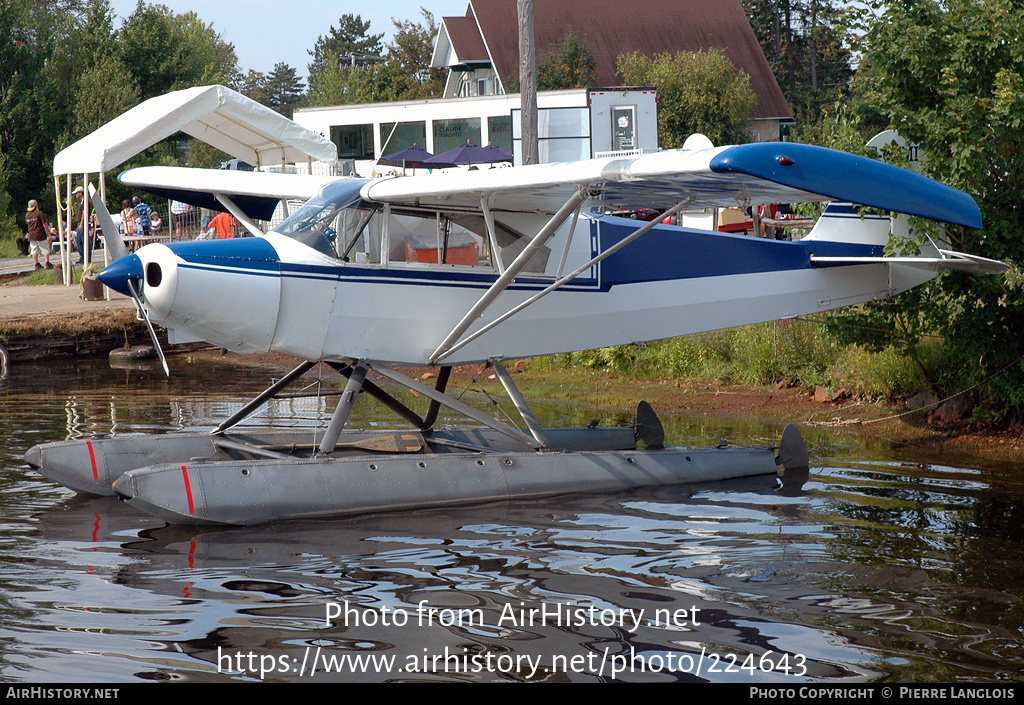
x=216, y=115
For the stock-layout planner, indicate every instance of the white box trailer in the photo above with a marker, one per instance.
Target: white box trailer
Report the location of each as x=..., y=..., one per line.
x=572, y=124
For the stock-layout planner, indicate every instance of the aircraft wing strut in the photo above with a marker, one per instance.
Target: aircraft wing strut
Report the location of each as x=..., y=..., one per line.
x=510, y=273
x=561, y=281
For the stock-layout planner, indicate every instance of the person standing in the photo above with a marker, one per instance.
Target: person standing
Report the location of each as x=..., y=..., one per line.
x=79, y=225
x=226, y=226
x=181, y=214
x=144, y=212
x=39, y=229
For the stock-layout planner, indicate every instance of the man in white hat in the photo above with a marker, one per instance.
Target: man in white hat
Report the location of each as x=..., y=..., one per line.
x=79, y=227
x=39, y=230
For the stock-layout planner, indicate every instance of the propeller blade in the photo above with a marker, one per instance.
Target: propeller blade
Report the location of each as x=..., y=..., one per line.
x=145, y=315
x=111, y=234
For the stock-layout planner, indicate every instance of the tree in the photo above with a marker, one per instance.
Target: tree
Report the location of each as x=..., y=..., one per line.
x=37, y=89
x=411, y=49
x=284, y=89
x=697, y=92
x=105, y=90
x=950, y=76
x=367, y=84
x=808, y=45
x=404, y=74
x=254, y=85
x=569, y=64
x=64, y=71
x=169, y=51
x=350, y=37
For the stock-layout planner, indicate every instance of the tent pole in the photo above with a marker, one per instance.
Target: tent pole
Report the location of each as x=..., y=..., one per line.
x=86, y=254
x=65, y=250
x=106, y=250
x=60, y=213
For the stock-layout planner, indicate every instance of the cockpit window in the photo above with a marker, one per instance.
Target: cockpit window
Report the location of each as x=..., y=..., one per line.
x=337, y=223
x=331, y=222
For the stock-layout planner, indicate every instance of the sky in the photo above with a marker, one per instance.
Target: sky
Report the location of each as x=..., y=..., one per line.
x=266, y=32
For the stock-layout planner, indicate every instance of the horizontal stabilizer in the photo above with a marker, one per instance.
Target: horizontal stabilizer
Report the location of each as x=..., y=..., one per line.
x=956, y=261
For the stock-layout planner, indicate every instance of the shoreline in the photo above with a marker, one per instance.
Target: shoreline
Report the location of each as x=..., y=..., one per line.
x=779, y=404
x=49, y=322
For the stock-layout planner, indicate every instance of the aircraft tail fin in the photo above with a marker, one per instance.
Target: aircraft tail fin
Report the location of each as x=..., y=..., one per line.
x=846, y=222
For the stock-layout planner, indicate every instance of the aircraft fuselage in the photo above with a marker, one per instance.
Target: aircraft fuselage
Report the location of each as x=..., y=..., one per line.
x=279, y=294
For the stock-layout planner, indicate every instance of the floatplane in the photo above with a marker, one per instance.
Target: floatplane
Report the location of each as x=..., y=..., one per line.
x=479, y=267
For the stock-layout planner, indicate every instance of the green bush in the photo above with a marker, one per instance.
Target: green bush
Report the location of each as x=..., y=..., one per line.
x=800, y=351
x=885, y=376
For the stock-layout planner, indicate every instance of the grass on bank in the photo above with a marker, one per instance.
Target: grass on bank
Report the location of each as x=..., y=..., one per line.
x=9, y=247
x=45, y=276
x=797, y=352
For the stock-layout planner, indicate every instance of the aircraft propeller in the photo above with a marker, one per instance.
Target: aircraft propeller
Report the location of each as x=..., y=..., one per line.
x=119, y=252
x=123, y=275
x=145, y=315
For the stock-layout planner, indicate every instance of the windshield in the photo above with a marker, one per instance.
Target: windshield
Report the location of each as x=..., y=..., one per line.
x=329, y=220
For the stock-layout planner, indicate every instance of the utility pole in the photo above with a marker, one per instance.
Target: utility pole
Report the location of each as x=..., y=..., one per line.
x=528, y=83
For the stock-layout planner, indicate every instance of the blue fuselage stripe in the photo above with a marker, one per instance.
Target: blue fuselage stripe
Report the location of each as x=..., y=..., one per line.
x=665, y=253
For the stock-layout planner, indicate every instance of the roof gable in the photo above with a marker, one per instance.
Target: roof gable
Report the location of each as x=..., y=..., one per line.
x=613, y=27
x=467, y=44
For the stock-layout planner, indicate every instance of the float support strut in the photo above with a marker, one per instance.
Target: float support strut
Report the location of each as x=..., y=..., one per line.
x=344, y=408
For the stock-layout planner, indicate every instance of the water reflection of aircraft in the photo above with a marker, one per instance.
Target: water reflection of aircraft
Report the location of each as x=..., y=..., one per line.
x=479, y=267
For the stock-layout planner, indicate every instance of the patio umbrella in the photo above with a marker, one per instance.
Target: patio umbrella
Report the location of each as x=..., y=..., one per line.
x=408, y=157
x=470, y=153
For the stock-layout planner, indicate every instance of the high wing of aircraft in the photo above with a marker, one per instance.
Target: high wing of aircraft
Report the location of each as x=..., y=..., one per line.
x=479, y=267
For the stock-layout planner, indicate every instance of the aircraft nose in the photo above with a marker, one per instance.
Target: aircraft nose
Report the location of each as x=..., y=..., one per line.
x=117, y=274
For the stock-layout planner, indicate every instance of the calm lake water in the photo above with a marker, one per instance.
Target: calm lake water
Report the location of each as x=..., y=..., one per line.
x=881, y=566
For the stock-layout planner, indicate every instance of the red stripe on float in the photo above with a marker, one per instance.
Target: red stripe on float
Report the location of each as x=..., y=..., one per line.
x=188, y=491
x=92, y=458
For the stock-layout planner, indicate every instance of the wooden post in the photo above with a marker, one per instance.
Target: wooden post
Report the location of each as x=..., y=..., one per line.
x=528, y=83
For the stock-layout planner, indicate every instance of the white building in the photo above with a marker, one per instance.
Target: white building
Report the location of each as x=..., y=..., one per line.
x=572, y=124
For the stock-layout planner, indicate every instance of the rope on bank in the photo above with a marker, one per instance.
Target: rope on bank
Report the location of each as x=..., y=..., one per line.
x=951, y=396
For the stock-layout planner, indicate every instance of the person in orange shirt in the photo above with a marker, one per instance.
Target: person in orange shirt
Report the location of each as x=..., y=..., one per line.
x=226, y=225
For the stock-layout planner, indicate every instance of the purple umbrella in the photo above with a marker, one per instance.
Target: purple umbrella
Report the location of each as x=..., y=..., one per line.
x=410, y=156
x=470, y=153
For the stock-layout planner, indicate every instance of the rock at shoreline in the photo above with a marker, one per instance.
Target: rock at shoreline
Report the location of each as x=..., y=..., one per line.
x=134, y=352
x=953, y=410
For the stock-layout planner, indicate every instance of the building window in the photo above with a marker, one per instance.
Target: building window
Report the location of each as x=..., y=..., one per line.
x=394, y=137
x=449, y=134
x=563, y=134
x=353, y=141
x=499, y=131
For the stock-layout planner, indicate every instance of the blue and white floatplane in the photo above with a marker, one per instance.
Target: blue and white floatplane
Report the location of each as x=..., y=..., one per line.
x=480, y=267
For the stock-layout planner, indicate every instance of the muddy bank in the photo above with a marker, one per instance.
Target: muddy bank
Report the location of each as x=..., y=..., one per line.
x=80, y=334
x=892, y=423
x=51, y=322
